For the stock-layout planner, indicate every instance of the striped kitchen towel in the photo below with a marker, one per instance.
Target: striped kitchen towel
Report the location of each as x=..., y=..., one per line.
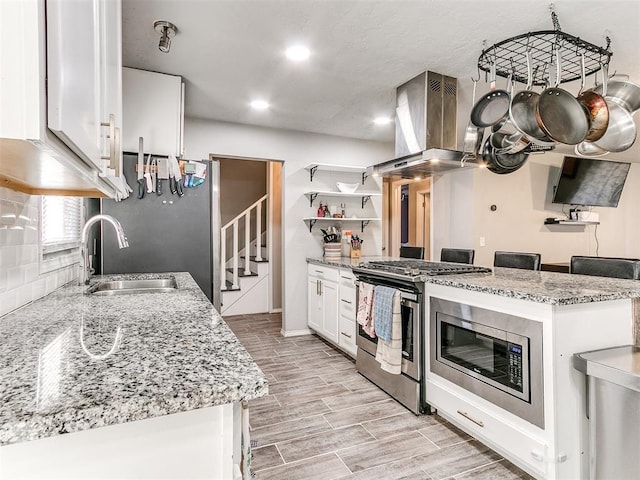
x=383, y=311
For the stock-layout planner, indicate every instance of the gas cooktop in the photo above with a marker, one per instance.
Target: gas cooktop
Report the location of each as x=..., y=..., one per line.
x=413, y=269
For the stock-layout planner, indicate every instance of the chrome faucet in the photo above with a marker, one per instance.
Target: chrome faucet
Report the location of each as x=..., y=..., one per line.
x=85, y=268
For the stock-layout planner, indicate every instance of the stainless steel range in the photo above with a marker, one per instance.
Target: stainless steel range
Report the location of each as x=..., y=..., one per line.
x=407, y=276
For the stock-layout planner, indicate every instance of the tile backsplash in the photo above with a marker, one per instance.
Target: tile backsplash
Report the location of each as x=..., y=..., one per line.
x=22, y=278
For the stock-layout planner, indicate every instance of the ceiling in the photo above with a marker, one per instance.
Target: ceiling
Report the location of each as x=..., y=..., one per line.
x=231, y=51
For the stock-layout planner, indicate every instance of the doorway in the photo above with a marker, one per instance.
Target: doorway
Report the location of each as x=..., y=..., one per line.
x=406, y=215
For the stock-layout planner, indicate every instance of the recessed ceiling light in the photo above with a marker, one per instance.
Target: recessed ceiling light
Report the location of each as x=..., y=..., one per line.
x=259, y=104
x=297, y=53
x=382, y=120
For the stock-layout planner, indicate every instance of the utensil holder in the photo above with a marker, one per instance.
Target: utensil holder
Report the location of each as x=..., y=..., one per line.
x=355, y=252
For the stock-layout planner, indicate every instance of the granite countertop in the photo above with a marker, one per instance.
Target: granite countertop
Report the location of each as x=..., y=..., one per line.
x=347, y=262
x=72, y=362
x=536, y=286
x=542, y=287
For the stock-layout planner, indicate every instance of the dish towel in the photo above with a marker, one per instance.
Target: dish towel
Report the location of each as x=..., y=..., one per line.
x=389, y=353
x=383, y=310
x=365, y=304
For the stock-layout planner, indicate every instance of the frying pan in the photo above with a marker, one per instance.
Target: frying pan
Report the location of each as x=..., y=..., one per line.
x=473, y=135
x=588, y=149
x=596, y=107
x=560, y=115
x=522, y=112
x=502, y=163
x=493, y=106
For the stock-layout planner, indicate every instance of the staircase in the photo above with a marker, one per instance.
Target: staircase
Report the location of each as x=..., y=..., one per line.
x=245, y=283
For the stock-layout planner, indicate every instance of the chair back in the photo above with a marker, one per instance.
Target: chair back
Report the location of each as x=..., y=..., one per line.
x=412, y=252
x=525, y=261
x=614, y=267
x=457, y=255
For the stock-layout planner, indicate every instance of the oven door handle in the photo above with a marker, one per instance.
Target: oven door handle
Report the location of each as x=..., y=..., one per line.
x=404, y=295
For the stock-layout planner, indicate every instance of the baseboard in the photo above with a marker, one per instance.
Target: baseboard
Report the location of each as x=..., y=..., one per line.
x=296, y=333
x=275, y=310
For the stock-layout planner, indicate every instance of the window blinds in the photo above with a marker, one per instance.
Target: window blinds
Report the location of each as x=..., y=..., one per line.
x=61, y=223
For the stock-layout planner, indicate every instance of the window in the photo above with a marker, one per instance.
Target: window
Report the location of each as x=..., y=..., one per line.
x=61, y=223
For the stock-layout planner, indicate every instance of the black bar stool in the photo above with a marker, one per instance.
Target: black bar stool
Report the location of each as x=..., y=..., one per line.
x=614, y=267
x=412, y=252
x=457, y=255
x=525, y=261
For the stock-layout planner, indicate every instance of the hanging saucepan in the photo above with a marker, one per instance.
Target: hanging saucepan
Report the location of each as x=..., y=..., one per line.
x=621, y=133
x=624, y=93
x=560, y=115
x=501, y=163
x=522, y=112
x=493, y=106
x=473, y=134
x=588, y=149
x=596, y=107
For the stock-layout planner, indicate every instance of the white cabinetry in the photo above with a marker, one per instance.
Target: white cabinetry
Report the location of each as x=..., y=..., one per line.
x=332, y=305
x=323, y=301
x=560, y=449
x=347, y=311
x=152, y=110
x=59, y=82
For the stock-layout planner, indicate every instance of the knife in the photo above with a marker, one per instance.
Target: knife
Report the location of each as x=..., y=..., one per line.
x=140, y=169
x=147, y=175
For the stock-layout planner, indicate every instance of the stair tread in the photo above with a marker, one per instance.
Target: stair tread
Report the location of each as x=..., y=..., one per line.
x=253, y=259
x=228, y=287
x=241, y=273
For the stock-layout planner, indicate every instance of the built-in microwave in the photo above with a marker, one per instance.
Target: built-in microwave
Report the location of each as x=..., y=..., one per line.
x=494, y=355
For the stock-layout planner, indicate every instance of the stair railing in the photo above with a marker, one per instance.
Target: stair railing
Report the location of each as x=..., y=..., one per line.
x=254, y=209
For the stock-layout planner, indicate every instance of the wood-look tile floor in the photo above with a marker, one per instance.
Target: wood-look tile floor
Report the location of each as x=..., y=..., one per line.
x=322, y=420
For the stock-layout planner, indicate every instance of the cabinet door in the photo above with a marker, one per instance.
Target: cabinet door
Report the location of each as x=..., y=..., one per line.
x=152, y=104
x=73, y=66
x=314, y=304
x=329, y=291
x=111, y=77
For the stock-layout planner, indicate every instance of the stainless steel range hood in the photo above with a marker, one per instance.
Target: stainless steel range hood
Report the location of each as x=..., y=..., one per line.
x=426, y=129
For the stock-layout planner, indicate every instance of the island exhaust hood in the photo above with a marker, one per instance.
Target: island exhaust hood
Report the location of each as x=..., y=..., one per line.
x=426, y=129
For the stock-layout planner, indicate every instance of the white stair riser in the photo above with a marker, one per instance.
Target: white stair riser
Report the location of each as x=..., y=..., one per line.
x=254, y=299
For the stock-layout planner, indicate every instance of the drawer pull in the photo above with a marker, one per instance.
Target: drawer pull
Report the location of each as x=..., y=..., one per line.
x=320, y=272
x=345, y=301
x=346, y=278
x=345, y=334
x=468, y=417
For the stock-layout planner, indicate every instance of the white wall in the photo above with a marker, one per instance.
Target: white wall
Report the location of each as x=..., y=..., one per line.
x=523, y=201
x=296, y=149
x=22, y=277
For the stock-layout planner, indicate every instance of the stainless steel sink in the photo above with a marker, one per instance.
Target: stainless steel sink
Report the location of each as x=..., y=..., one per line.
x=120, y=287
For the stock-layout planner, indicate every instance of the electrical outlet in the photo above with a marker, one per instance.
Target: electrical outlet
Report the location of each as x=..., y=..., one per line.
x=483, y=242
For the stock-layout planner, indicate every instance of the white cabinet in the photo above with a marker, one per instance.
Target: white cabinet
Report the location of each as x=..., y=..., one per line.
x=323, y=301
x=348, y=308
x=153, y=110
x=73, y=71
x=59, y=82
x=331, y=304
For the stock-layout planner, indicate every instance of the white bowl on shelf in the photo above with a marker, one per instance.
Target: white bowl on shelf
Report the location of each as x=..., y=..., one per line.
x=347, y=187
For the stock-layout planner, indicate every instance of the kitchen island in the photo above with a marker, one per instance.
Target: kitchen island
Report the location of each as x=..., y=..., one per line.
x=552, y=315
x=141, y=385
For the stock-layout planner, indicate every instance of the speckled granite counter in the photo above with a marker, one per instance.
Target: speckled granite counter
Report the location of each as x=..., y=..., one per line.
x=542, y=287
x=346, y=262
x=72, y=362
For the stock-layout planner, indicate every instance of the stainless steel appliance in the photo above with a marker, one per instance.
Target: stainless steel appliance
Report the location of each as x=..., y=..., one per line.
x=426, y=133
x=495, y=355
x=407, y=277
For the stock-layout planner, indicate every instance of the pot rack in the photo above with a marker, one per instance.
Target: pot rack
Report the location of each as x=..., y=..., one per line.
x=510, y=55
